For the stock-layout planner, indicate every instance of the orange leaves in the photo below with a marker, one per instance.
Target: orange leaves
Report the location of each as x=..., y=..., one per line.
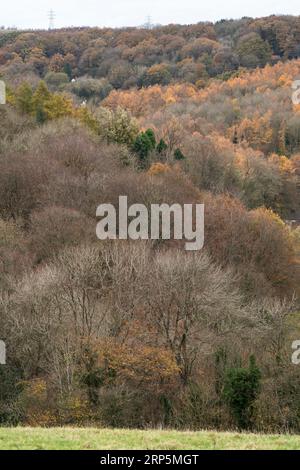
x=139, y=364
x=296, y=108
x=151, y=99
x=284, y=80
x=158, y=168
x=57, y=63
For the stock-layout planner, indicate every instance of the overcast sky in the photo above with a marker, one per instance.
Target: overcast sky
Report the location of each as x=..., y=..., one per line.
x=33, y=13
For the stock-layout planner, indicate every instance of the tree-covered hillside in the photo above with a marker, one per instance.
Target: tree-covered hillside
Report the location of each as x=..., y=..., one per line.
x=142, y=333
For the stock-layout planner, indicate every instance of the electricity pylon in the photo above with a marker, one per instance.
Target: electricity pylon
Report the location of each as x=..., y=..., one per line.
x=51, y=16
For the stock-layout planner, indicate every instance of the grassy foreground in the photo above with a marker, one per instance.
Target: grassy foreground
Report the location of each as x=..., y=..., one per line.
x=109, y=439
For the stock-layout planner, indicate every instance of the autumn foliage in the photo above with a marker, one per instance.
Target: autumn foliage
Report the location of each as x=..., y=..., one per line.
x=139, y=334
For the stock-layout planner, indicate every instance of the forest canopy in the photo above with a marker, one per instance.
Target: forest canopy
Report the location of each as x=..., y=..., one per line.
x=139, y=334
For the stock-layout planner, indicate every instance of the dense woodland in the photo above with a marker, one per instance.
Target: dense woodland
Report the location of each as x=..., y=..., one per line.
x=139, y=334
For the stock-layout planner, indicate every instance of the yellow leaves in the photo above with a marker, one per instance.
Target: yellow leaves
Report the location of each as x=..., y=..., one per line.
x=169, y=97
x=257, y=132
x=36, y=388
x=75, y=408
x=87, y=118
x=59, y=106
x=273, y=245
x=52, y=105
x=39, y=411
x=34, y=398
x=284, y=164
x=239, y=158
x=268, y=216
x=10, y=99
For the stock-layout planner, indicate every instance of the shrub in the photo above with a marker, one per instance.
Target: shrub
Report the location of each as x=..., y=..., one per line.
x=240, y=391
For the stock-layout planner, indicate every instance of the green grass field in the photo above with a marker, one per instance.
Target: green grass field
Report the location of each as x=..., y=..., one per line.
x=108, y=439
